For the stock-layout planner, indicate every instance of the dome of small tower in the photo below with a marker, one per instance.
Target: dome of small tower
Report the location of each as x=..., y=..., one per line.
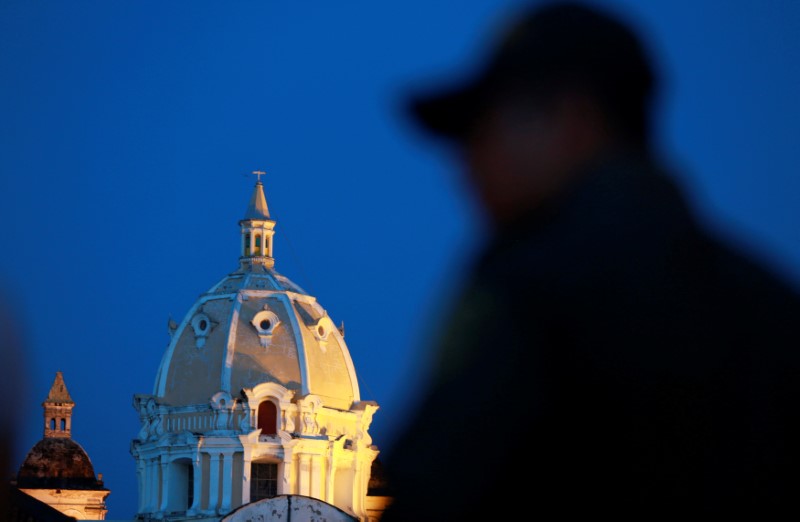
x=57, y=463
x=256, y=326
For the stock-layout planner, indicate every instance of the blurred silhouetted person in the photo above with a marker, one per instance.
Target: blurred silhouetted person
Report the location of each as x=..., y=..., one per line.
x=13, y=386
x=608, y=356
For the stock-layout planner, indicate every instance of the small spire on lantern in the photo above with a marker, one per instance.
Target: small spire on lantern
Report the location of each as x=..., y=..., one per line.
x=257, y=229
x=257, y=209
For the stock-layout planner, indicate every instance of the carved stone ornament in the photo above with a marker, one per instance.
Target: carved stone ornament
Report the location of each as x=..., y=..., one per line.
x=265, y=322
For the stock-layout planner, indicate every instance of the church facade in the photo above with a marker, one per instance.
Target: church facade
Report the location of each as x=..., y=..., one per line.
x=256, y=400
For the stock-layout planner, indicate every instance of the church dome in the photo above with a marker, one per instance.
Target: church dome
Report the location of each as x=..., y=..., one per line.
x=57, y=463
x=256, y=397
x=256, y=326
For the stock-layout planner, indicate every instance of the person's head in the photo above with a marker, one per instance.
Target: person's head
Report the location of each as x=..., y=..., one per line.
x=566, y=85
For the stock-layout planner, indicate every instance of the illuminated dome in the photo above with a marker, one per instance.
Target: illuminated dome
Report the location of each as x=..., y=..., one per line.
x=256, y=397
x=256, y=326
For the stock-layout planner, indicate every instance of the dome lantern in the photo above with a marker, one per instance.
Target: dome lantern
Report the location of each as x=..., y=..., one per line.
x=257, y=229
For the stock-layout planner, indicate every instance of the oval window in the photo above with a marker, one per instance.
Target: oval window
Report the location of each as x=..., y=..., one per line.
x=265, y=324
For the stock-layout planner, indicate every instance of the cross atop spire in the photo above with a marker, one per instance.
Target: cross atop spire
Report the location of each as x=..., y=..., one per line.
x=258, y=174
x=257, y=209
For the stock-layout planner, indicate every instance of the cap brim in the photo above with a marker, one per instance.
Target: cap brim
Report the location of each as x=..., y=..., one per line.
x=448, y=113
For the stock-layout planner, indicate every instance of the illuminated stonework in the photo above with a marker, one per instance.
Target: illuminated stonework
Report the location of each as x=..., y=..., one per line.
x=256, y=397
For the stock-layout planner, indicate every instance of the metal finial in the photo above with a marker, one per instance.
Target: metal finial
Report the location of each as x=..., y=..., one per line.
x=259, y=173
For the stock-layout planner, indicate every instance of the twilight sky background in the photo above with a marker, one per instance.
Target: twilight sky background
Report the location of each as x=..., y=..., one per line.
x=128, y=131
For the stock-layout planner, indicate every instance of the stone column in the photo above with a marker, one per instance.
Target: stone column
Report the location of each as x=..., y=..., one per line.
x=316, y=481
x=304, y=474
x=246, y=476
x=164, y=484
x=144, y=497
x=197, y=481
x=141, y=482
x=330, y=484
x=358, y=491
x=227, y=482
x=213, y=482
x=329, y=478
x=152, y=504
x=288, y=486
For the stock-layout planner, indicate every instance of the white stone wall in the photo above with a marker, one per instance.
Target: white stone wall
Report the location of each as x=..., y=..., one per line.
x=81, y=504
x=321, y=453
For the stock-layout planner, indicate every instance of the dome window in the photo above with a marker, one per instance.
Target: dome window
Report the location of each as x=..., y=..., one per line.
x=201, y=324
x=265, y=323
x=322, y=330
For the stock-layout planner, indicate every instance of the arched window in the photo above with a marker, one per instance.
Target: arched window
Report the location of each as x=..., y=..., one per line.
x=52, y=425
x=259, y=251
x=247, y=244
x=63, y=424
x=267, y=418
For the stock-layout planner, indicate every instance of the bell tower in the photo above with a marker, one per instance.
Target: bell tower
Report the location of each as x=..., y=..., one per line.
x=58, y=410
x=57, y=470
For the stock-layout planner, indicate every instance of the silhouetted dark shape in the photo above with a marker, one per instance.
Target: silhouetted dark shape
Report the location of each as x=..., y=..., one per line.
x=13, y=384
x=607, y=356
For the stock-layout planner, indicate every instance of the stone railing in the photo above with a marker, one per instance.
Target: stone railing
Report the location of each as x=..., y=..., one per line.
x=220, y=415
x=201, y=421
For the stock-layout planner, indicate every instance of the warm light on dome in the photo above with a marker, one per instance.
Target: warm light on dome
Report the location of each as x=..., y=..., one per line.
x=256, y=384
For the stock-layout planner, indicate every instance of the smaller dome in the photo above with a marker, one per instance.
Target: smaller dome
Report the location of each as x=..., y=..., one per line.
x=57, y=463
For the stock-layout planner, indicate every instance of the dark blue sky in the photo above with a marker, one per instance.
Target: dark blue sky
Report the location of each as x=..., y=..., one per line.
x=128, y=129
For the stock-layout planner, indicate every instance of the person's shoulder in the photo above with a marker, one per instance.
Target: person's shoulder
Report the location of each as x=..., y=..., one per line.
x=743, y=271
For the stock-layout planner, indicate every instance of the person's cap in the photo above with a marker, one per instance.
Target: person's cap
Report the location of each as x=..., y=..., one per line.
x=558, y=45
